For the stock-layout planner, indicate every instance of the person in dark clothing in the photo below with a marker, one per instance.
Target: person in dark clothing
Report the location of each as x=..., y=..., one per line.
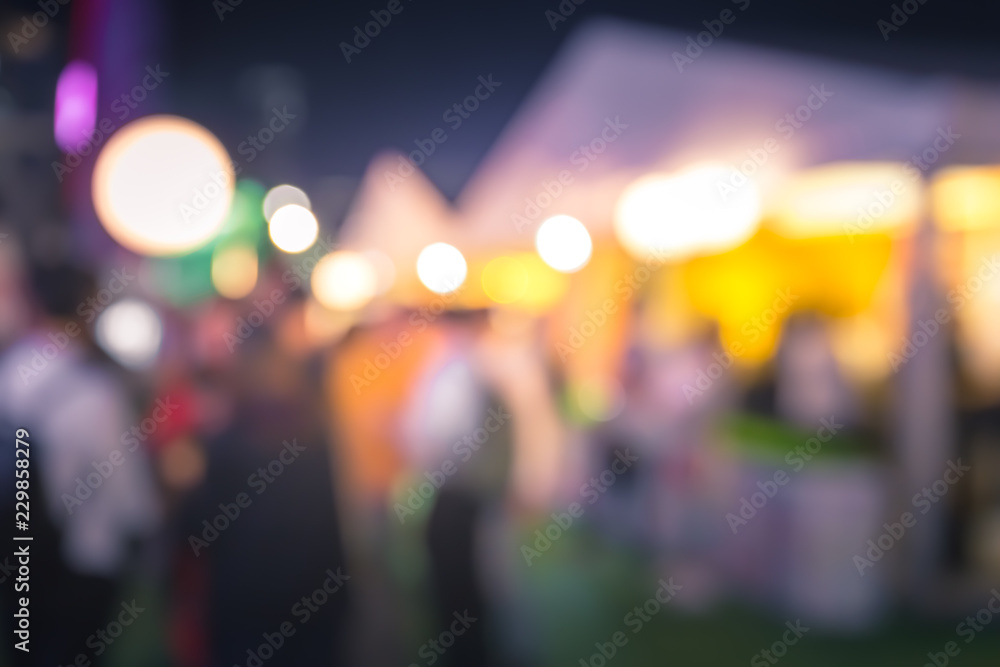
x=267, y=524
x=451, y=540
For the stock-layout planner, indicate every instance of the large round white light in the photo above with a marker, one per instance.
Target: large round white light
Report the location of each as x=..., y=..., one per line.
x=130, y=332
x=441, y=268
x=344, y=280
x=293, y=228
x=163, y=185
x=688, y=213
x=564, y=243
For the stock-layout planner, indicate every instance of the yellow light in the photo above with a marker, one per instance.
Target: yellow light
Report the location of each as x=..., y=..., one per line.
x=694, y=211
x=564, y=243
x=293, y=228
x=966, y=198
x=505, y=279
x=977, y=309
x=234, y=271
x=283, y=195
x=848, y=198
x=163, y=185
x=546, y=286
x=441, y=268
x=344, y=280
x=130, y=332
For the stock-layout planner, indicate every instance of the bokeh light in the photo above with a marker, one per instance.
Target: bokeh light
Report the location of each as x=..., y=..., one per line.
x=546, y=286
x=283, y=195
x=505, y=279
x=234, y=271
x=293, y=228
x=130, y=332
x=344, y=280
x=966, y=198
x=564, y=243
x=441, y=268
x=692, y=212
x=163, y=186
x=76, y=106
x=849, y=198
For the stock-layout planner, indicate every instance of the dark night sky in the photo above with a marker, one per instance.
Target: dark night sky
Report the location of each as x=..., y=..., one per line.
x=430, y=54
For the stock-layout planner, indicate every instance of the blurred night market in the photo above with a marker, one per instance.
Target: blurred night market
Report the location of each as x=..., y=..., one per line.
x=566, y=332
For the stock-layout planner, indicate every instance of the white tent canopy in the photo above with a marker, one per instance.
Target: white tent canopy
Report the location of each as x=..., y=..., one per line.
x=617, y=89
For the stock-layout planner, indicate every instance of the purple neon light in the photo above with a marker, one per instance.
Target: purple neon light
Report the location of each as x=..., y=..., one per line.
x=76, y=105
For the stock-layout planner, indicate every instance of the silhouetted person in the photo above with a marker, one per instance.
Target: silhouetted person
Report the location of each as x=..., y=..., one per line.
x=86, y=513
x=464, y=422
x=273, y=547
